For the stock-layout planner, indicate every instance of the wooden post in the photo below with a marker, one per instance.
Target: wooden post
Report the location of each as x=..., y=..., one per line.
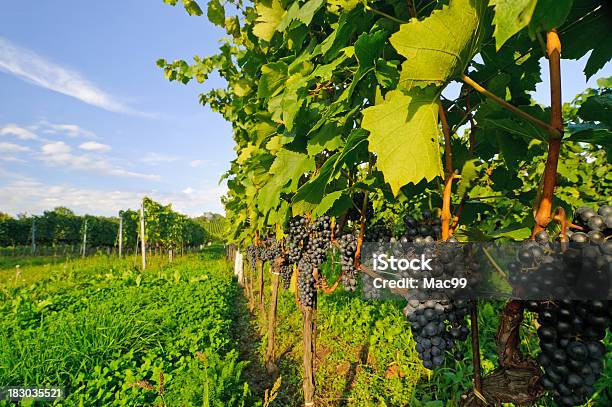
x=170, y=254
x=251, y=293
x=120, y=235
x=143, y=243
x=270, y=363
x=475, y=347
x=33, y=236
x=309, y=316
x=260, y=280
x=84, y=239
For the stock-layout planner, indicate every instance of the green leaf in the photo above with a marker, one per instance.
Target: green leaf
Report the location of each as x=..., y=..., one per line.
x=588, y=28
x=469, y=172
x=439, y=48
x=604, y=82
x=347, y=5
x=387, y=73
x=273, y=75
x=326, y=203
x=309, y=195
x=520, y=233
x=403, y=135
x=597, y=108
x=367, y=48
x=269, y=17
x=216, y=13
x=526, y=130
x=510, y=17
x=512, y=148
x=285, y=106
x=303, y=14
x=242, y=87
x=591, y=133
x=192, y=8
x=348, y=24
x=549, y=14
x=290, y=166
x=232, y=26
x=328, y=137
x=269, y=195
x=286, y=170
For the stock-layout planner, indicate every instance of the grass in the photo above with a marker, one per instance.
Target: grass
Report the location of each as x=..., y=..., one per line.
x=112, y=335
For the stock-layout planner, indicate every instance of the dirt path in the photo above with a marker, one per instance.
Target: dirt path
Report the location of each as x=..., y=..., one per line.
x=249, y=344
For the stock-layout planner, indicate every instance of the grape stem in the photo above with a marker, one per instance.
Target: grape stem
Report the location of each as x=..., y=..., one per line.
x=493, y=262
x=323, y=283
x=448, y=184
x=476, y=351
x=554, y=132
x=553, y=51
x=362, y=220
x=472, y=135
x=455, y=223
x=382, y=13
x=448, y=152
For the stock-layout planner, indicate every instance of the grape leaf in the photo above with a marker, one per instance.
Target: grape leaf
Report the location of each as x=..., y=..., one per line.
x=588, y=28
x=216, y=13
x=525, y=129
x=268, y=18
x=303, y=14
x=336, y=199
x=273, y=75
x=290, y=165
x=285, y=106
x=328, y=137
x=440, y=47
x=309, y=195
x=597, y=134
x=285, y=173
x=510, y=17
x=403, y=134
x=597, y=108
x=469, y=172
x=232, y=26
x=193, y=9
x=520, y=233
x=549, y=14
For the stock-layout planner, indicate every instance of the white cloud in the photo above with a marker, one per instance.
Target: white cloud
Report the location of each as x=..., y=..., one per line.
x=199, y=163
x=188, y=190
x=58, y=154
x=12, y=148
x=55, y=149
x=70, y=130
x=9, y=151
x=28, y=195
x=35, y=69
x=94, y=146
x=157, y=158
x=17, y=131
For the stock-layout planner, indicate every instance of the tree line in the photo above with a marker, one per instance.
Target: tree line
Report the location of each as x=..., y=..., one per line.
x=164, y=228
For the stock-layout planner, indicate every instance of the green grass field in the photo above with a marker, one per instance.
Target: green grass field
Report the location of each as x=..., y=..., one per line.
x=181, y=335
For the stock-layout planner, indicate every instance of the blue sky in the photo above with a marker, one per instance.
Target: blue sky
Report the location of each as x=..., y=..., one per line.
x=88, y=121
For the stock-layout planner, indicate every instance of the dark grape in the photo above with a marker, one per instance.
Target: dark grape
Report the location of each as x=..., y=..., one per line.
x=431, y=326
